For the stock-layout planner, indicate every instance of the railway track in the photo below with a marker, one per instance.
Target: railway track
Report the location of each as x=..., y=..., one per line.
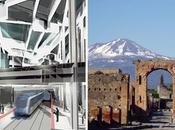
x=39, y=120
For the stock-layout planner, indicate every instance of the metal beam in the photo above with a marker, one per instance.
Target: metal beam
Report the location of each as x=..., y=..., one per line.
x=29, y=36
x=38, y=41
x=35, y=8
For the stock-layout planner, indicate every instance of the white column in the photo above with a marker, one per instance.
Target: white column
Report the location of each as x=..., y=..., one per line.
x=74, y=106
x=83, y=96
x=64, y=96
x=73, y=59
x=72, y=29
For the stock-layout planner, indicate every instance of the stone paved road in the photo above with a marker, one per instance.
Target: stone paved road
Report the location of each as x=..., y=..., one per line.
x=160, y=121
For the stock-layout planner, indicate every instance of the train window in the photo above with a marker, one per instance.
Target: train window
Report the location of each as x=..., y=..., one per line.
x=35, y=99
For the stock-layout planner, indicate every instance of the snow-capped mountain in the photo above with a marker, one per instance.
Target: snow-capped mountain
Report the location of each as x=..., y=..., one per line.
x=120, y=53
x=121, y=47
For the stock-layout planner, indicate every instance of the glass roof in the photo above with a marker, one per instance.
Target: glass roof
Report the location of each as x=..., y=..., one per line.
x=44, y=8
x=22, y=11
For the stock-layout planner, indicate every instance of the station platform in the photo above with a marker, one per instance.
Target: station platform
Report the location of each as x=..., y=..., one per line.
x=5, y=118
x=64, y=122
x=41, y=119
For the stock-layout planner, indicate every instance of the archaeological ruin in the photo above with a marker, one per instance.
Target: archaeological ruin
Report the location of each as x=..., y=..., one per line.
x=112, y=97
x=108, y=96
x=143, y=69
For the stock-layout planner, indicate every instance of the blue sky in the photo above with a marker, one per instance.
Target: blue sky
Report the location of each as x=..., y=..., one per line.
x=150, y=23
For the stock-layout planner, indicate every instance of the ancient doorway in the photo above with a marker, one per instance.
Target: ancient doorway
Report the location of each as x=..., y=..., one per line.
x=159, y=95
x=143, y=69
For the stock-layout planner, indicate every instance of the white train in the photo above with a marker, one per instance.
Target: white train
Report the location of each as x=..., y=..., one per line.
x=26, y=103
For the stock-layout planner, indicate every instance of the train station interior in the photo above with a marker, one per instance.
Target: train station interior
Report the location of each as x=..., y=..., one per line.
x=60, y=97
x=42, y=64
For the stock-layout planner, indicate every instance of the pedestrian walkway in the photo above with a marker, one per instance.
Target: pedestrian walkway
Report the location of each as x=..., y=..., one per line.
x=7, y=108
x=7, y=117
x=64, y=122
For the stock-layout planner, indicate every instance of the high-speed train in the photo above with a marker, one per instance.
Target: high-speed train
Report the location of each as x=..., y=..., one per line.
x=26, y=103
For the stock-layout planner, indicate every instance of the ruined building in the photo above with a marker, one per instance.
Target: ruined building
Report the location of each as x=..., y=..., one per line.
x=165, y=94
x=108, y=96
x=163, y=90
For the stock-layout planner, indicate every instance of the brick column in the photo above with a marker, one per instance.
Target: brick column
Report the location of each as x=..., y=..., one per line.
x=124, y=102
x=144, y=93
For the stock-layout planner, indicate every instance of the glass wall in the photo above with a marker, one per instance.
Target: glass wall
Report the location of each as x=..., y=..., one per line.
x=15, y=31
x=4, y=61
x=33, y=40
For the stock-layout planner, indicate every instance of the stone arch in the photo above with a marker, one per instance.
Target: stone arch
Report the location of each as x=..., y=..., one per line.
x=165, y=69
x=143, y=69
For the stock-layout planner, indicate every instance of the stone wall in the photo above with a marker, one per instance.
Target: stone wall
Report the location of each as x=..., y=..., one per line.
x=108, y=95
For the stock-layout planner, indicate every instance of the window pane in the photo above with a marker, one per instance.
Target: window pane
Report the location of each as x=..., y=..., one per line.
x=43, y=39
x=33, y=39
x=15, y=31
